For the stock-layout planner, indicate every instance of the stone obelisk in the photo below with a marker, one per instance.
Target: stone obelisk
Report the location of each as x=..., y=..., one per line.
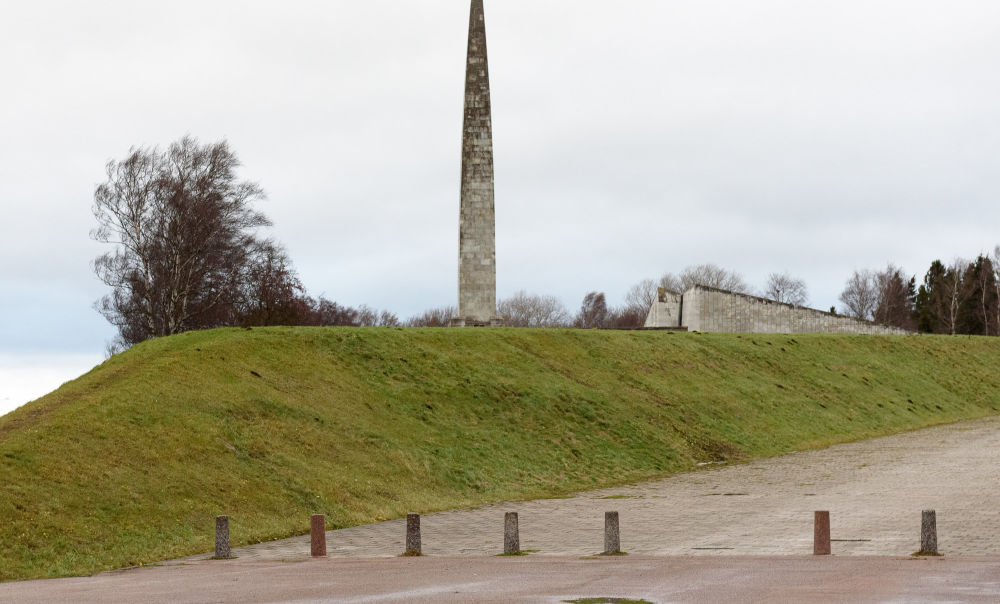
x=477, y=261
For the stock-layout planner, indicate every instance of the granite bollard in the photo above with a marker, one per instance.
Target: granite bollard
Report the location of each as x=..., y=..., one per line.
x=511, y=534
x=928, y=533
x=412, y=535
x=222, y=537
x=821, y=534
x=612, y=535
x=317, y=536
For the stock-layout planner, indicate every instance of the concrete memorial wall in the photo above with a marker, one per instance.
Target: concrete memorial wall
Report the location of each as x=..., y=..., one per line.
x=707, y=309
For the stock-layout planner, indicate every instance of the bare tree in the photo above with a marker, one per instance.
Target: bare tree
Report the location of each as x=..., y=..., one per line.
x=372, y=317
x=978, y=306
x=640, y=297
x=860, y=295
x=672, y=283
x=326, y=313
x=626, y=317
x=593, y=313
x=530, y=310
x=183, y=228
x=708, y=275
x=440, y=316
x=895, y=298
x=783, y=287
x=267, y=291
x=951, y=295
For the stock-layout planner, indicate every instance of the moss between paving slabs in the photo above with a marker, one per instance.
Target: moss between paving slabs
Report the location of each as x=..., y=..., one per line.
x=130, y=463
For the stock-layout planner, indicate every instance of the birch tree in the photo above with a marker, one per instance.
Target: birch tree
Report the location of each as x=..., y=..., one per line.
x=183, y=228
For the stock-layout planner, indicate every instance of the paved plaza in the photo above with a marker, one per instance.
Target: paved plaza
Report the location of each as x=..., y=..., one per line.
x=741, y=534
x=875, y=491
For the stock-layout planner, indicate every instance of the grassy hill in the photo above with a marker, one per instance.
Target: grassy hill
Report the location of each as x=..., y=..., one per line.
x=130, y=463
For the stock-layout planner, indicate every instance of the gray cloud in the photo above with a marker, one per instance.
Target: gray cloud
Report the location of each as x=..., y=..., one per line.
x=631, y=139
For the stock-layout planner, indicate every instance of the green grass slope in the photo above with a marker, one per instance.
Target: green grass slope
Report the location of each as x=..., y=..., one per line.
x=130, y=463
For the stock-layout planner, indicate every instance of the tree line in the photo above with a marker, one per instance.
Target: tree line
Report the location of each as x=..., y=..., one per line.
x=531, y=310
x=187, y=253
x=961, y=297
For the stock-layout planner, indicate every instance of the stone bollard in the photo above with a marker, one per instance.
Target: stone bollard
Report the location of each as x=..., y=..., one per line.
x=821, y=534
x=928, y=533
x=222, y=537
x=612, y=536
x=511, y=534
x=412, y=535
x=317, y=534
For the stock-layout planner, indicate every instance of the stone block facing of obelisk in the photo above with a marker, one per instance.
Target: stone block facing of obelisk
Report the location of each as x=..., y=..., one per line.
x=477, y=272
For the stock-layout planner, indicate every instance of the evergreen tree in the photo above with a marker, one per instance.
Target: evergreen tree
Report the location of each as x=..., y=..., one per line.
x=930, y=301
x=926, y=319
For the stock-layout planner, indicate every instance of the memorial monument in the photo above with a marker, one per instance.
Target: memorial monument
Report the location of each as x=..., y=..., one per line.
x=477, y=262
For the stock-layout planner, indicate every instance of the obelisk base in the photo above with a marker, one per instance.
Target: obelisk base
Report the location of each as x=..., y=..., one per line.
x=460, y=322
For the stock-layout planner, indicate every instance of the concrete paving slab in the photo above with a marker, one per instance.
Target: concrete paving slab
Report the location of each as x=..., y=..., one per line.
x=690, y=579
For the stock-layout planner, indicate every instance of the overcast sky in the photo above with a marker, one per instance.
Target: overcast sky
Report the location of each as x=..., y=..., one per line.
x=632, y=138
